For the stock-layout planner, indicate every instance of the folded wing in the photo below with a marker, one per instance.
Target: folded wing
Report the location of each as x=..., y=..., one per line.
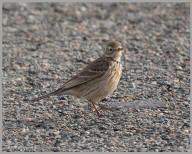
x=96, y=69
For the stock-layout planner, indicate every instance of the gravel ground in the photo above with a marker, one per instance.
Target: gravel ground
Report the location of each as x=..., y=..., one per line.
x=45, y=44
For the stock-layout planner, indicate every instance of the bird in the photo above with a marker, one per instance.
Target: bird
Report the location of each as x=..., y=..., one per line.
x=97, y=80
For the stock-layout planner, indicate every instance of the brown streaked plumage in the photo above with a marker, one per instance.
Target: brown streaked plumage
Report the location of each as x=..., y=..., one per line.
x=96, y=81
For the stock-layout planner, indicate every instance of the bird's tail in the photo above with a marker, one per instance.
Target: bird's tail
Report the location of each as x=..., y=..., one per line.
x=47, y=95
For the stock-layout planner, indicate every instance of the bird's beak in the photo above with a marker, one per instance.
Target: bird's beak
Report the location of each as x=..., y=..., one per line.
x=120, y=49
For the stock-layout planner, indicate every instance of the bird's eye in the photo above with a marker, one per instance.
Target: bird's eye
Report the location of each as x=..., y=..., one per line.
x=110, y=49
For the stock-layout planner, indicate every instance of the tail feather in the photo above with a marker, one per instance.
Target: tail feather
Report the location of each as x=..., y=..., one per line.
x=59, y=91
x=47, y=95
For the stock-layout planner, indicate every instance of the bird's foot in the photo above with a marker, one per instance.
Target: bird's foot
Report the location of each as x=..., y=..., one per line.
x=95, y=108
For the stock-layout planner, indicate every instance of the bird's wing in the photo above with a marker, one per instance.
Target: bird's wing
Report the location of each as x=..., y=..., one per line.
x=94, y=70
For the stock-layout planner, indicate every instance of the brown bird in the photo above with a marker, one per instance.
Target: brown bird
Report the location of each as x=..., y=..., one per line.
x=96, y=81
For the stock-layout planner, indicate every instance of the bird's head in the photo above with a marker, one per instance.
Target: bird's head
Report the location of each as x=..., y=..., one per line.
x=113, y=50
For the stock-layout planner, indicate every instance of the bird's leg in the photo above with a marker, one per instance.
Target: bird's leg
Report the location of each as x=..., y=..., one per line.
x=99, y=114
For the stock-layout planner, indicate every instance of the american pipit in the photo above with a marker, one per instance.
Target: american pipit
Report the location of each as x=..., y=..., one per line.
x=96, y=81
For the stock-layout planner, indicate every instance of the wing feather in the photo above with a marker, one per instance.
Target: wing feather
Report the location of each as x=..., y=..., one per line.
x=96, y=69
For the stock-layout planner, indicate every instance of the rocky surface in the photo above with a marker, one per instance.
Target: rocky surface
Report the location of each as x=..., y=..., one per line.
x=44, y=44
